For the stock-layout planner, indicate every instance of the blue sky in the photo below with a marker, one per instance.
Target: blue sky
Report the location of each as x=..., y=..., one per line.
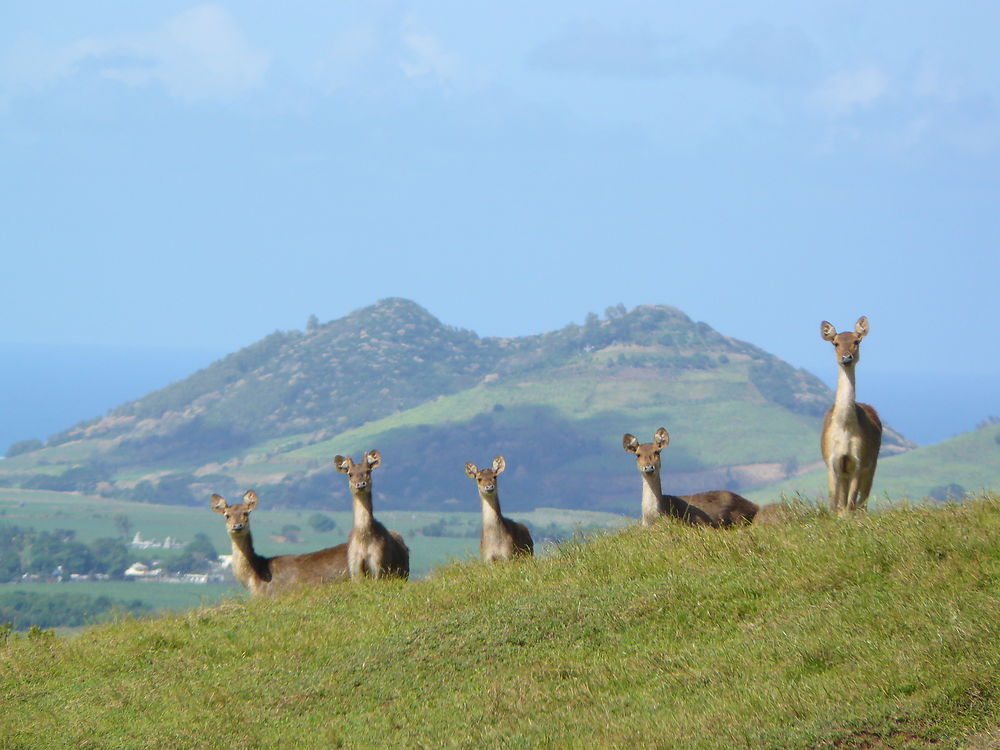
x=193, y=176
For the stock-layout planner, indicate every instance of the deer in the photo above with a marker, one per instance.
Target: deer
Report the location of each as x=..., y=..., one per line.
x=852, y=431
x=272, y=575
x=501, y=538
x=372, y=549
x=714, y=508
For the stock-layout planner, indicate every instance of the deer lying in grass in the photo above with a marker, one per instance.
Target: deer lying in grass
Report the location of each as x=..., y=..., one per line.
x=715, y=508
x=272, y=575
x=501, y=538
x=852, y=431
x=371, y=548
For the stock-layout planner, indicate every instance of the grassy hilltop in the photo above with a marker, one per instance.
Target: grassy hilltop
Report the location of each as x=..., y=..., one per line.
x=879, y=631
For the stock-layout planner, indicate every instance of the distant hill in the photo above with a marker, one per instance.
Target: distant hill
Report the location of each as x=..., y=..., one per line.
x=431, y=397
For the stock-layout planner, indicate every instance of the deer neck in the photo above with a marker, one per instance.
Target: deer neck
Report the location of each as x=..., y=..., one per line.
x=491, y=509
x=844, y=412
x=652, y=497
x=247, y=564
x=364, y=520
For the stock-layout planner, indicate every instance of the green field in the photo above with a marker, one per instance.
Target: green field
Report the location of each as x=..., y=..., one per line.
x=881, y=631
x=159, y=596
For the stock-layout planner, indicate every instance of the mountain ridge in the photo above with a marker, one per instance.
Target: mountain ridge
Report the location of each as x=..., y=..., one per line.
x=557, y=402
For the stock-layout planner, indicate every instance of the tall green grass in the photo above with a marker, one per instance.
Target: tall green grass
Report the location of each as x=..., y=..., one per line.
x=876, y=631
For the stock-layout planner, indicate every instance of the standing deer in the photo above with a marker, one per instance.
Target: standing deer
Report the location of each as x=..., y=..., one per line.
x=501, y=538
x=714, y=508
x=371, y=548
x=272, y=575
x=852, y=431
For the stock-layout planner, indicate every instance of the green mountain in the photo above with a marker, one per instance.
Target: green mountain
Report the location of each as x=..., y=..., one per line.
x=432, y=397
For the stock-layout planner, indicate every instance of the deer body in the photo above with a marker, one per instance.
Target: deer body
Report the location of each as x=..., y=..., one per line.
x=852, y=431
x=714, y=508
x=272, y=575
x=501, y=538
x=372, y=549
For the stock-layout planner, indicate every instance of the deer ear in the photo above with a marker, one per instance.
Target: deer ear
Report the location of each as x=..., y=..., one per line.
x=661, y=437
x=471, y=469
x=373, y=457
x=630, y=442
x=827, y=331
x=250, y=499
x=499, y=464
x=861, y=327
x=343, y=464
x=219, y=504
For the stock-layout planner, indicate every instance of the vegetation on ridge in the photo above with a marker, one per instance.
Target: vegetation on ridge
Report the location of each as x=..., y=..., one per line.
x=880, y=631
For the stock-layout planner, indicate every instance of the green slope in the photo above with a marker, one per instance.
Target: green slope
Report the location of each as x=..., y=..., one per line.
x=879, y=632
x=971, y=460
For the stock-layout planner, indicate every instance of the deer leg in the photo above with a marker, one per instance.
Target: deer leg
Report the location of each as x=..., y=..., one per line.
x=356, y=565
x=865, y=488
x=831, y=483
x=852, y=491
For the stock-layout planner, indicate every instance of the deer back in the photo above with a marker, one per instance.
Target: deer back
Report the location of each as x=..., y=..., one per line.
x=321, y=566
x=722, y=507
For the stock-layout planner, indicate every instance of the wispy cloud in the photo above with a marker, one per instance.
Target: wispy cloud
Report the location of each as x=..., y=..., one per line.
x=386, y=54
x=848, y=91
x=426, y=57
x=198, y=54
x=618, y=53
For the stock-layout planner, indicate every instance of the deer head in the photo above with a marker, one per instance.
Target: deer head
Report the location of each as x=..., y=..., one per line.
x=846, y=345
x=237, y=516
x=359, y=475
x=647, y=455
x=486, y=479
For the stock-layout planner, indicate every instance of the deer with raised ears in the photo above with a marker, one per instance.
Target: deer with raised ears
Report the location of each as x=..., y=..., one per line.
x=852, y=431
x=714, y=508
x=272, y=575
x=372, y=549
x=501, y=538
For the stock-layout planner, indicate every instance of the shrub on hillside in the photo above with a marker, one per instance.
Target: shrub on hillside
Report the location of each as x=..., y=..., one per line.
x=24, y=446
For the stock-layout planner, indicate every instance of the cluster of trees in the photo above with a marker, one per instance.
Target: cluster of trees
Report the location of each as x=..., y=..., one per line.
x=25, y=550
x=550, y=532
x=24, y=446
x=42, y=552
x=25, y=609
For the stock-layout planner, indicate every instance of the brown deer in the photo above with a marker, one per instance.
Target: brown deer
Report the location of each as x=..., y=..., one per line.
x=272, y=575
x=372, y=549
x=501, y=538
x=714, y=508
x=852, y=431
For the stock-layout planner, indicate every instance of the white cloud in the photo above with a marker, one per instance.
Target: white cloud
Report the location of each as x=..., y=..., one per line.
x=587, y=49
x=847, y=91
x=426, y=57
x=200, y=53
x=379, y=55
